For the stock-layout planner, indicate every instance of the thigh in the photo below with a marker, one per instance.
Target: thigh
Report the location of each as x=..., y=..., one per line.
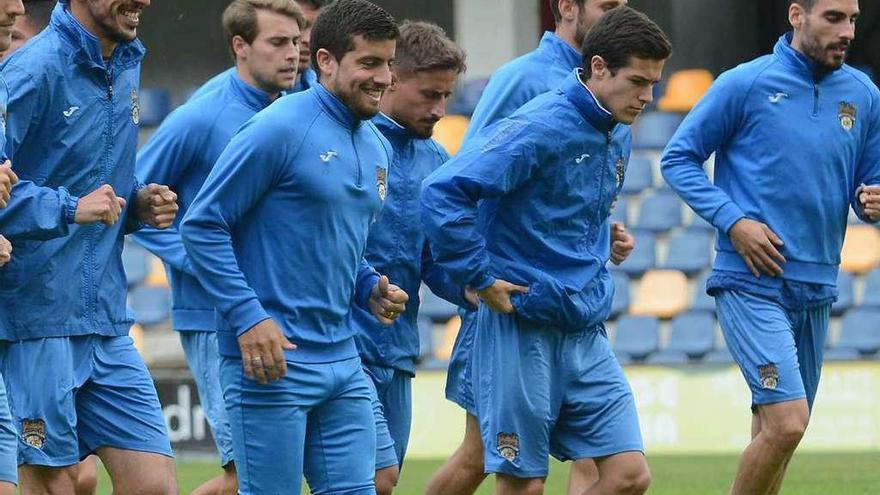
x=397, y=402
x=386, y=451
x=339, y=433
x=8, y=441
x=459, y=388
x=760, y=337
x=200, y=349
x=118, y=406
x=810, y=336
x=598, y=416
x=135, y=472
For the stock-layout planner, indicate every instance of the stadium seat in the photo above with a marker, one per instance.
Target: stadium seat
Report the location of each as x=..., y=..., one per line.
x=639, y=176
x=426, y=336
x=667, y=358
x=684, y=90
x=136, y=332
x=636, y=337
x=654, y=129
x=643, y=257
x=661, y=293
x=450, y=131
x=155, y=105
x=620, y=303
x=697, y=224
x=134, y=262
x=659, y=212
x=450, y=331
x=871, y=294
x=467, y=96
x=433, y=307
x=845, y=294
x=689, y=251
x=841, y=354
x=860, y=330
x=702, y=301
x=151, y=305
x=620, y=213
x=861, y=249
x=156, y=277
x=693, y=334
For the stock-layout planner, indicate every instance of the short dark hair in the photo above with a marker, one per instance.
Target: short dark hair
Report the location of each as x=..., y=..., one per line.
x=38, y=12
x=554, y=7
x=423, y=46
x=315, y=4
x=806, y=4
x=342, y=20
x=623, y=33
x=240, y=18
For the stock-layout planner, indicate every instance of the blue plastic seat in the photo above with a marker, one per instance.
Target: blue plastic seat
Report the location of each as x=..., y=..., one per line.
x=620, y=303
x=467, y=96
x=637, y=336
x=693, y=334
x=689, y=252
x=654, y=129
x=642, y=258
x=134, y=262
x=841, y=354
x=871, y=295
x=660, y=212
x=434, y=307
x=668, y=358
x=154, y=106
x=860, y=330
x=845, y=294
x=719, y=356
x=151, y=305
x=702, y=301
x=697, y=224
x=620, y=213
x=639, y=176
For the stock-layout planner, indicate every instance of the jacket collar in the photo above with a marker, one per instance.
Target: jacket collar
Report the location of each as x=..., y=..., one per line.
x=805, y=66
x=87, y=48
x=586, y=103
x=560, y=50
x=252, y=97
x=393, y=130
x=338, y=110
x=307, y=79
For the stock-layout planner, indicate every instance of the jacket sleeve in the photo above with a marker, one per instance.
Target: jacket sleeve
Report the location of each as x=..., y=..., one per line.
x=367, y=278
x=252, y=163
x=440, y=282
x=707, y=127
x=451, y=194
x=868, y=167
x=504, y=94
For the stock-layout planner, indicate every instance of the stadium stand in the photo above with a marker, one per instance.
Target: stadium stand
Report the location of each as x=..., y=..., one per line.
x=861, y=249
x=662, y=294
x=134, y=262
x=860, y=331
x=620, y=303
x=154, y=106
x=449, y=132
x=643, y=257
x=636, y=337
x=156, y=276
x=693, y=334
x=660, y=212
x=151, y=304
x=871, y=294
x=620, y=213
x=434, y=307
x=684, y=90
x=653, y=130
x=846, y=294
x=689, y=251
x=467, y=96
x=639, y=175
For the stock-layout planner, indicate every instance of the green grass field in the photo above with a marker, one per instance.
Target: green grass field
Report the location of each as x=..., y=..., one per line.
x=810, y=474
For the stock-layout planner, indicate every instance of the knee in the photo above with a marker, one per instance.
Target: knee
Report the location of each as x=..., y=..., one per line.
x=787, y=433
x=633, y=481
x=522, y=486
x=86, y=482
x=386, y=480
x=157, y=487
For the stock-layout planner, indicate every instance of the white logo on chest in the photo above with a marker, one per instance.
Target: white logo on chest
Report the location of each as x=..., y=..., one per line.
x=778, y=96
x=69, y=112
x=328, y=155
x=581, y=158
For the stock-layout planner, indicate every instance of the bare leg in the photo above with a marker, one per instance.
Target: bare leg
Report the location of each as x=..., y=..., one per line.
x=139, y=473
x=582, y=476
x=462, y=473
x=626, y=473
x=224, y=484
x=41, y=480
x=386, y=480
x=87, y=477
x=509, y=485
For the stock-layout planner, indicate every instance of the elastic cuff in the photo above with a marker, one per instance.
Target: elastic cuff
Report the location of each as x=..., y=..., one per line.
x=365, y=289
x=70, y=203
x=244, y=316
x=727, y=216
x=482, y=281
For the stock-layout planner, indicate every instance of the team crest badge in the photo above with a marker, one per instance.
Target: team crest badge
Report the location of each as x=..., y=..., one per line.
x=619, y=172
x=847, y=114
x=33, y=432
x=135, y=107
x=381, y=182
x=769, y=376
x=508, y=446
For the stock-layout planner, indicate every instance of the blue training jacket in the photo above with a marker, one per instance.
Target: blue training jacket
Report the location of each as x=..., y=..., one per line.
x=279, y=228
x=552, y=169
x=792, y=144
x=307, y=79
x=180, y=154
x=72, y=126
x=397, y=248
x=522, y=79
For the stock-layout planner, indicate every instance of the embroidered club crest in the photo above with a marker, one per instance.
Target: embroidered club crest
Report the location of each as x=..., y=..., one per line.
x=508, y=446
x=769, y=376
x=33, y=432
x=381, y=182
x=135, y=107
x=847, y=114
x=619, y=172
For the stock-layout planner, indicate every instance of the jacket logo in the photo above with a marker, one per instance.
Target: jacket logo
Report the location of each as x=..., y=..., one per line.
x=135, y=107
x=778, y=96
x=33, y=432
x=847, y=114
x=70, y=111
x=619, y=172
x=381, y=182
x=581, y=158
x=328, y=155
x=508, y=446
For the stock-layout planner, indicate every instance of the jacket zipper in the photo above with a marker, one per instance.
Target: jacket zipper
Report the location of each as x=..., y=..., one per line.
x=815, y=99
x=360, y=171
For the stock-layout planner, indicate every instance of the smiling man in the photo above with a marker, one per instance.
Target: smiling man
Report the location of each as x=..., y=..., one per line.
x=277, y=236
x=797, y=117
x=521, y=217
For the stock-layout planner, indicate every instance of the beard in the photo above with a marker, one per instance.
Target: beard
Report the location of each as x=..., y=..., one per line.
x=819, y=53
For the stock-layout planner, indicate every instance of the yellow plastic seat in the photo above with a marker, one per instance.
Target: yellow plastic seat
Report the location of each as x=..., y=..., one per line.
x=861, y=249
x=156, y=277
x=137, y=335
x=450, y=331
x=449, y=132
x=684, y=90
x=662, y=294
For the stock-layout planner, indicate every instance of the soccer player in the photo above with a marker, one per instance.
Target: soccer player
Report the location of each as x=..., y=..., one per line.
x=277, y=235
x=521, y=214
x=36, y=18
x=72, y=129
x=426, y=67
x=307, y=77
x=796, y=137
x=263, y=37
x=510, y=87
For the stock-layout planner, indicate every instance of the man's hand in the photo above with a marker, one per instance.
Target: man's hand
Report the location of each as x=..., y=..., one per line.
x=262, y=352
x=758, y=246
x=5, y=251
x=7, y=180
x=869, y=198
x=156, y=205
x=387, y=301
x=497, y=295
x=471, y=296
x=622, y=243
x=100, y=205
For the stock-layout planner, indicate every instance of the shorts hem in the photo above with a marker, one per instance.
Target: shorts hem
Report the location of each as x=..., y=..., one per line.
x=149, y=449
x=595, y=454
x=778, y=400
x=469, y=408
x=517, y=473
x=52, y=463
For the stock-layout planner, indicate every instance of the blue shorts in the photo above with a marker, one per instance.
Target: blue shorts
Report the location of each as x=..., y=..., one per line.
x=316, y=421
x=543, y=392
x=779, y=351
x=70, y=396
x=391, y=392
x=203, y=359
x=8, y=441
x=459, y=388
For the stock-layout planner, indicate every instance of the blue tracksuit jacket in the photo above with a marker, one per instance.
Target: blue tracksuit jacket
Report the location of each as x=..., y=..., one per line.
x=279, y=228
x=72, y=126
x=180, y=154
x=397, y=248
x=792, y=144
x=307, y=79
x=552, y=171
